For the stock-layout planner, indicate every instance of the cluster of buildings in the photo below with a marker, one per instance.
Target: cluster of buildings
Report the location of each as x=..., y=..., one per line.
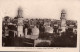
x=31, y=28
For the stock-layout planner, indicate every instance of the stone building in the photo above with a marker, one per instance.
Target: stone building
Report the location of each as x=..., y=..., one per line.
x=20, y=23
x=44, y=25
x=63, y=20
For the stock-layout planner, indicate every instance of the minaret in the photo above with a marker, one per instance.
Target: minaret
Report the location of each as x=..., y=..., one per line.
x=20, y=23
x=63, y=20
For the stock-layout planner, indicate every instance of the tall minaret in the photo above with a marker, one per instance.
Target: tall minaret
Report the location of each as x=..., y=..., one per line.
x=63, y=20
x=20, y=22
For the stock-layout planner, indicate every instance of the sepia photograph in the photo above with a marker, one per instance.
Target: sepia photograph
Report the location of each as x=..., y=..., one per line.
x=36, y=32
x=40, y=25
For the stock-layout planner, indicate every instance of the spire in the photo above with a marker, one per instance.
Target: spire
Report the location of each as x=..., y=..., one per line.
x=63, y=14
x=20, y=11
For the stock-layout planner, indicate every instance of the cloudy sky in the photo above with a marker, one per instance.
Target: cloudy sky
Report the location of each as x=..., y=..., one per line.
x=40, y=8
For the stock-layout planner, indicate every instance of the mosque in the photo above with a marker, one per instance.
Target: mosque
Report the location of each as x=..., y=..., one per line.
x=18, y=28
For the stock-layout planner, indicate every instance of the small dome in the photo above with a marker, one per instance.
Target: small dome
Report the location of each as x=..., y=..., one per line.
x=20, y=9
x=63, y=11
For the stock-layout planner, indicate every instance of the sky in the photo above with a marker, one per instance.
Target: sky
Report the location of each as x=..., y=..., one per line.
x=41, y=8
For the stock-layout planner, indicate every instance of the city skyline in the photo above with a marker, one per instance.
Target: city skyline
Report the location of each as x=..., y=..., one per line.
x=36, y=33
